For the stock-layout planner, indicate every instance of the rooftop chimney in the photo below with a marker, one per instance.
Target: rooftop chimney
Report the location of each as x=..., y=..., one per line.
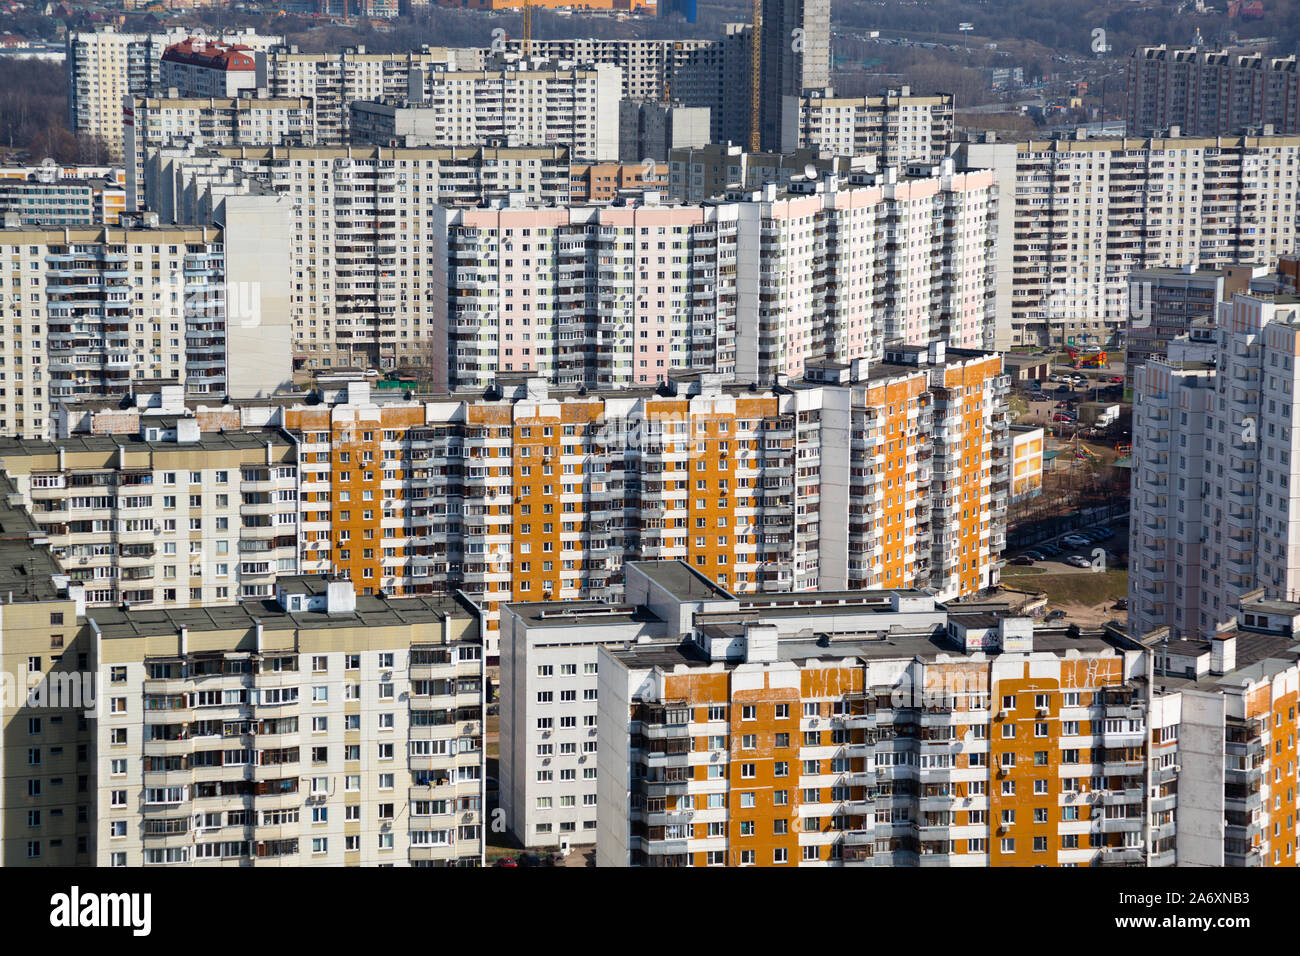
x=1223, y=653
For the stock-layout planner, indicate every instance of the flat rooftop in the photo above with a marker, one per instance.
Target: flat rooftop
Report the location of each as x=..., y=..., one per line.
x=928, y=645
x=242, y=439
x=682, y=580
x=371, y=611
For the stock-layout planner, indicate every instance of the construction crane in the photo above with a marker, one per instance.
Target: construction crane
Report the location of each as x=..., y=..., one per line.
x=528, y=29
x=755, y=62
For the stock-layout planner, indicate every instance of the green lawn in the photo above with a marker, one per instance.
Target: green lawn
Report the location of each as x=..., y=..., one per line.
x=1082, y=588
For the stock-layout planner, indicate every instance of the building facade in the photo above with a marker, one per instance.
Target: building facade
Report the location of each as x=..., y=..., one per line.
x=417, y=495
x=795, y=45
x=1077, y=216
x=539, y=104
x=104, y=66
x=896, y=127
x=1209, y=93
x=1212, y=461
x=152, y=123
x=332, y=81
x=92, y=309
x=863, y=729
x=317, y=729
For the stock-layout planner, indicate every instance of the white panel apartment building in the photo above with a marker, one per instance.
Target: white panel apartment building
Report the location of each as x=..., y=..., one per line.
x=539, y=105
x=105, y=66
x=88, y=310
x=1237, y=417
x=1077, y=216
x=324, y=730
x=362, y=277
x=167, y=517
x=713, y=73
x=250, y=119
x=897, y=127
x=334, y=80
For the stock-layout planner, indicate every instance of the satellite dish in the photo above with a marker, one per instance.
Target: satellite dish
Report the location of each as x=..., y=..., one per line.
x=810, y=171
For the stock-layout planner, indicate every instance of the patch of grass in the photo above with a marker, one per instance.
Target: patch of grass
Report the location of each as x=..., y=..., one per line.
x=1082, y=588
x=1012, y=570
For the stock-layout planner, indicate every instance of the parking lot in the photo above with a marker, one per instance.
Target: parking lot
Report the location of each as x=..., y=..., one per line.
x=1096, y=385
x=1113, y=546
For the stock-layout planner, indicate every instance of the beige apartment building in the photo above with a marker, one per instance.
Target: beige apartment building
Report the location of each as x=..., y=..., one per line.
x=315, y=729
x=88, y=310
x=897, y=127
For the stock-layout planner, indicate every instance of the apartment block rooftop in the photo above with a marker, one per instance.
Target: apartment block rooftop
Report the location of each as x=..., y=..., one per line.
x=321, y=602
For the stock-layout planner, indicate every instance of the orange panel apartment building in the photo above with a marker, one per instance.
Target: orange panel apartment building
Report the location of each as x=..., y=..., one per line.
x=893, y=474
x=882, y=729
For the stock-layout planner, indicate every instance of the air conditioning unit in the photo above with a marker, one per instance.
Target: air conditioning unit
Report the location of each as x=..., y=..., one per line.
x=1001, y=715
x=1042, y=711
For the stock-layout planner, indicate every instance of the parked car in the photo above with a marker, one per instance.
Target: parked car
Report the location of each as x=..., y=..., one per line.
x=1116, y=380
x=1053, y=378
x=1063, y=390
x=1074, y=541
x=507, y=861
x=1121, y=604
x=1054, y=616
x=1105, y=532
x=1078, y=561
x=1063, y=404
x=1065, y=417
x=1050, y=550
x=1036, y=555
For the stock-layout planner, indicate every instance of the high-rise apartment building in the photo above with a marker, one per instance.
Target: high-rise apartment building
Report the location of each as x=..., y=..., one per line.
x=105, y=66
x=317, y=728
x=535, y=105
x=366, y=286
x=896, y=127
x=1075, y=217
x=895, y=254
x=796, y=56
x=1213, y=462
x=538, y=494
x=152, y=123
x=1207, y=93
x=88, y=310
x=1223, y=740
x=859, y=729
x=1164, y=304
x=332, y=81
x=712, y=73
x=883, y=728
x=624, y=293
